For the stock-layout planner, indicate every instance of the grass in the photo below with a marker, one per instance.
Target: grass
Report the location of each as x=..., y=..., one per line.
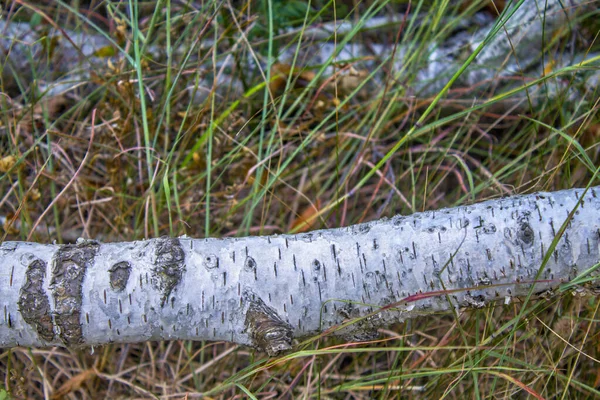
x=216, y=148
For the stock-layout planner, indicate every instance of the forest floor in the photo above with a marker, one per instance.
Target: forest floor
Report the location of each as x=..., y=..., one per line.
x=240, y=132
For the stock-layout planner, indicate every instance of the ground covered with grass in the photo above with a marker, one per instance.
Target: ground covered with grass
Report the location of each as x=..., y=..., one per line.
x=122, y=120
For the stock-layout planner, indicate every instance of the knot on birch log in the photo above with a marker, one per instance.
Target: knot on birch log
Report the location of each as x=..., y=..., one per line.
x=264, y=326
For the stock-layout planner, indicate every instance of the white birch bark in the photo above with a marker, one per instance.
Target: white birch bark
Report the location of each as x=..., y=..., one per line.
x=267, y=291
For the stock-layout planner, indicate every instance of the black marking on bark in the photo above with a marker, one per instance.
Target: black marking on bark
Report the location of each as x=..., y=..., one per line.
x=211, y=262
x=542, y=250
x=68, y=270
x=33, y=301
x=397, y=220
x=250, y=264
x=316, y=264
x=169, y=267
x=552, y=226
x=525, y=234
x=488, y=229
x=119, y=275
x=588, y=246
x=265, y=327
x=537, y=207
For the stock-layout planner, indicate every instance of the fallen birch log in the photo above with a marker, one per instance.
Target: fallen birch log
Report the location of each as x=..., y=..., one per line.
x=266, y=291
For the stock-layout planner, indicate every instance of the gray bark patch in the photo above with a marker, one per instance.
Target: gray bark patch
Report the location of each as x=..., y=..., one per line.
x=525, y=233
x=69, y=268
x=169, y=267
x=266, y=329
x=362, y=329
x=33, y=301
x=119, y=275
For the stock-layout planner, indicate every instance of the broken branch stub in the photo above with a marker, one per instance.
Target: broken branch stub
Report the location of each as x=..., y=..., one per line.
x=266, y=291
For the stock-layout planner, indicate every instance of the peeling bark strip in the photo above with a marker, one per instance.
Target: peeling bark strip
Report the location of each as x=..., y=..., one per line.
x=267, y=291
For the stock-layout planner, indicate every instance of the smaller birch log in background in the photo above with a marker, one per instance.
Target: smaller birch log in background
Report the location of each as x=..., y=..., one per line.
x=517, y=53
x=266, y=291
